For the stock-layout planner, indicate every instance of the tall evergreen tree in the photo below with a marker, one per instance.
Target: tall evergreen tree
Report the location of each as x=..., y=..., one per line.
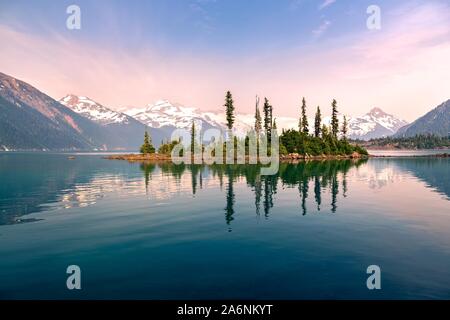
x=267, y=117
x=258, y=125
x=317, y=122
x=271, y=117
x=147, y=146
x=300, y=124
x=193, y=133
x=334, y=120
x=344, y=128
x=305, y=127
x=229, y=110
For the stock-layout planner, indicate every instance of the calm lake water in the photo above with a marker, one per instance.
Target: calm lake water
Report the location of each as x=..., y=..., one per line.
x=198, y=232
x=407, y=153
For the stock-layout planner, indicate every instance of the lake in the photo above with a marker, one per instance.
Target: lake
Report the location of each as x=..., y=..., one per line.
x=407, y=153
x=160, y=231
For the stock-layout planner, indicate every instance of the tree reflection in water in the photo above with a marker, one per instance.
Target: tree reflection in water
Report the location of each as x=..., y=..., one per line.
x=323, y=175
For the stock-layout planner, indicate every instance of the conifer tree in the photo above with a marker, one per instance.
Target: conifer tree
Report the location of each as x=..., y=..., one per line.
x=344, y=129
x=267, y=117
x=258, y=125
x=334, y=120
x=270, y=117
x=229, y=110
x=147, y=147
x=193, y=133
x=305, y=128
x=300, y=124
x=317, y=122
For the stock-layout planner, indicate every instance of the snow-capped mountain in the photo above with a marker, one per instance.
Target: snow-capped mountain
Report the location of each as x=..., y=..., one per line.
x=93, y=110
x=80, y=123
x=163, y=113
x=31, y=120
x=123, y=130
x=375, y=124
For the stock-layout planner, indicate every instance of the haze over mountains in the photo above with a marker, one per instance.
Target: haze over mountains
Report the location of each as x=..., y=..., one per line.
x=31, y=120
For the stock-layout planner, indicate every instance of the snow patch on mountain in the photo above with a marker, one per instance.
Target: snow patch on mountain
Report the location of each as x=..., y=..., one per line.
x=375, y=124
x=93, y=110
x=162, y=113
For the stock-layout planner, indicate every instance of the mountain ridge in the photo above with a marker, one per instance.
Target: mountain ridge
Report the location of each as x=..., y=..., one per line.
x=80, y=123
x=435, y=122
x=32, y=120
x=121, y=128
x=375, y=124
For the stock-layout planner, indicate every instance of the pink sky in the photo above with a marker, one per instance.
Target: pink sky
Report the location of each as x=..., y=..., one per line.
x=404, y=68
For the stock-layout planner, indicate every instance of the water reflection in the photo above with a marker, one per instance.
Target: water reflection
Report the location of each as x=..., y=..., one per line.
x=35, y=182
x=229, y=209
x=390, y=212
x=323, y=176
x=41, y=182
x=148, y=169
x=328, y=178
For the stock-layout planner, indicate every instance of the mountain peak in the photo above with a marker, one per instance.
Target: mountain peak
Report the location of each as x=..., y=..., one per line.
x=160, y=105
x=92, y=109
x=374, y=124
x=377, y=112
x=164, y=113
x=73, y=99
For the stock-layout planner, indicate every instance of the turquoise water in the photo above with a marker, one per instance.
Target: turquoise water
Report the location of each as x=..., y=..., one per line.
x=223, y=232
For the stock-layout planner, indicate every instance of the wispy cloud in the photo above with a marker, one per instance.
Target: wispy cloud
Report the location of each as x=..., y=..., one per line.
x=204, y=20
x=294, y=4
x=322, y=28
x=326, y=3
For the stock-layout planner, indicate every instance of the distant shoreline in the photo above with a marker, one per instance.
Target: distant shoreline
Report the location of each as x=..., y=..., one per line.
x=436, y=155
x=136, y=157
x=381, y=148
x=283, y=158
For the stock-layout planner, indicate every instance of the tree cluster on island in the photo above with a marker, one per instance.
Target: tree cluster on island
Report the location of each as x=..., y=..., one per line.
x=325, y=140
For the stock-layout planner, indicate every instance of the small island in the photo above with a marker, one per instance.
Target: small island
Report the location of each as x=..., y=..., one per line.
x=326, y=142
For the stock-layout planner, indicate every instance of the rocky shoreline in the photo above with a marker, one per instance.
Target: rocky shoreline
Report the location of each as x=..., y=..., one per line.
x=155, y=157
x=283, y=158
x=140, y=157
